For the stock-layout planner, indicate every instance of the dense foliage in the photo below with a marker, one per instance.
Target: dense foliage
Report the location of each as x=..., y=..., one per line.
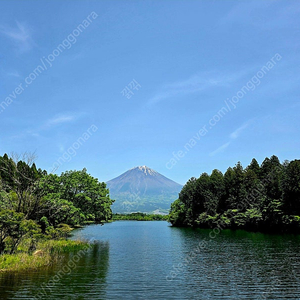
x=263, y=198
x=140, y=217
x=35, y=205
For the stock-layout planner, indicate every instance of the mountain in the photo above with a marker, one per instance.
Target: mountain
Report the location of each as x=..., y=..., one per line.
x=142, y=189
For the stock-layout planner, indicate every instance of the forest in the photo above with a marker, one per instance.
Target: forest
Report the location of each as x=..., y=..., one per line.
x=262, y=198
x=139, y=216
x=35, y=205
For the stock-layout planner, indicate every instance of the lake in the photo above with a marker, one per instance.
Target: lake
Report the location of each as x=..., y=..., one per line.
x=151, y=260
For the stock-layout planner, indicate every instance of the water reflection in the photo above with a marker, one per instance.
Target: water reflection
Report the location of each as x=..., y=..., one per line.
x=151, y=260
x=239, y=264
x=62, y=281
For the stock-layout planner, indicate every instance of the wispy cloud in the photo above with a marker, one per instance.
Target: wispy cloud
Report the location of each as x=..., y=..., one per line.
x=61, y=147
x=220, y=149
x=193, y=84
x=9, y=74
x=13, y=74
x=234, y=135
x=197, y=83
x=47, y=125
x=20, y=35
x=59, y=120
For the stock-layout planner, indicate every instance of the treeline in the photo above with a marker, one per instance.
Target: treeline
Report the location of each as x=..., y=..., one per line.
x=138, y=216
x=35, y=205
x=262, y=197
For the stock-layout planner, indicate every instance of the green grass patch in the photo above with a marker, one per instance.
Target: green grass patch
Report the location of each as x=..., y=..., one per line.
x=61, y=246
x=47, y=253
x=23, y=261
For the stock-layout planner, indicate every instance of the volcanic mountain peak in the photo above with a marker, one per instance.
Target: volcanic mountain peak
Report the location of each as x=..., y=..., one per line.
x=142, y=189
x=145, y=170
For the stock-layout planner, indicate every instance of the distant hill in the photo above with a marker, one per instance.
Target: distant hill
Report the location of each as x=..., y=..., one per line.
x=142, y=189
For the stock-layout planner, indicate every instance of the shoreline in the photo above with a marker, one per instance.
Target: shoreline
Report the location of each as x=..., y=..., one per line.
x=47, y=253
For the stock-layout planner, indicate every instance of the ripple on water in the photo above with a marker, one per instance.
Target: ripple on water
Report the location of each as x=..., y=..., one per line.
x=132, y=260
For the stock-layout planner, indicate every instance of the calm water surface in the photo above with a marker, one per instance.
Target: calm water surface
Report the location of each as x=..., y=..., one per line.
x=151, y=260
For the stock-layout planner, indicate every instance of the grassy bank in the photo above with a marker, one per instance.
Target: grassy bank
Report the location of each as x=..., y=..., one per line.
x=47, y=253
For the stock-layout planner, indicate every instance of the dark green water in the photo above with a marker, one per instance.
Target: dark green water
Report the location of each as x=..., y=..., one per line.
x=150, y=260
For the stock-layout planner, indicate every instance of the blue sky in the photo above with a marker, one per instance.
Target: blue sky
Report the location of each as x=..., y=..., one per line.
x=61, y=85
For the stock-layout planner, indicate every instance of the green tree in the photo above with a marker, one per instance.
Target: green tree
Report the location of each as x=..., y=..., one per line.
x=253, y=189
x=234, y=186
x=291, y=188
x=217, y=192
x=271, y=173
x=13, y=227
x=177, y=215
x=263, y=198
x=88, y=194
x=192, y=203
x=20, y=176
x=254, y=166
